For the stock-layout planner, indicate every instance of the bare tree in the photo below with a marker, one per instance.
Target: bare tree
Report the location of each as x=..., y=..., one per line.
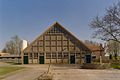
x=108, y=27
x=113, y=48
x=13, y=46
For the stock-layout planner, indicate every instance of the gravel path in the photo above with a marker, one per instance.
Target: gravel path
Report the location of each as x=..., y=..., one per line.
x=82, y=74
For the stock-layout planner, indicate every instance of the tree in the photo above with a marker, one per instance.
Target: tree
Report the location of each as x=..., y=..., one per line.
x=107, y=27
x=14, y=45
x=113, y=48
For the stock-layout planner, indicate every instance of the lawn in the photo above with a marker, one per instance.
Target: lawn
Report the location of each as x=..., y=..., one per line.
x=115, y=66
x=7, y=69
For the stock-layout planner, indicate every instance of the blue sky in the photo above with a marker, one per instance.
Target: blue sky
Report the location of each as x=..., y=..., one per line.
x=30, y=18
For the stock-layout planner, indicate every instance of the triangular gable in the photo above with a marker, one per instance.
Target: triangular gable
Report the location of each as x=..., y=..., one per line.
x=57, y=28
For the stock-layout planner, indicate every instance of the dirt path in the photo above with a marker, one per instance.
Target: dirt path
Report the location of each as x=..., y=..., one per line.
x=82, y=74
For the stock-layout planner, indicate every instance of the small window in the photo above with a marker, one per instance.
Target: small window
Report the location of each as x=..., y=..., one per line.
x=65, y=55
x=59, y=55
x=35, y=55
x=30, y=55
x=53, y=55
x=25, y=54
x=48, y=55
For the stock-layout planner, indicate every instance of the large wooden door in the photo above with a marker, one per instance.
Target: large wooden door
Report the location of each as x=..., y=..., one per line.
x=88, y=58
x=41, y=59
x=72, y=59
x=25, y=59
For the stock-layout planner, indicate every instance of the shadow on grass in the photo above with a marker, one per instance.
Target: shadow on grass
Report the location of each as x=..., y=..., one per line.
x=13, y=63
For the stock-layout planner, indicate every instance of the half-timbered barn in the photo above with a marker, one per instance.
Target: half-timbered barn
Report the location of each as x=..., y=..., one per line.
x=56, y=45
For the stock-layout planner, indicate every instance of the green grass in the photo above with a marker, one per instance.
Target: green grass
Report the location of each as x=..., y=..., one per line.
x=7, y=69
x=13, y=63
x=115, y=66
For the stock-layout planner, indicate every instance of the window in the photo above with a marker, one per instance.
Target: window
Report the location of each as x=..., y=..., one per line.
x=30, y=55
x=35, y=55
x=25, y=54
x=59, y=55
x=53, y=55
x=48, y=55
x=65, y=55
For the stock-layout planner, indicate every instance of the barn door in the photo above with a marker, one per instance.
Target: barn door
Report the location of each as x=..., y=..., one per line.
x=25, y=59
x=88, y=58
x=72, y=59
x=41, y=59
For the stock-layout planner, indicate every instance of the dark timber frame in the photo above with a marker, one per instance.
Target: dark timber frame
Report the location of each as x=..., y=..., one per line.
x=57, y=45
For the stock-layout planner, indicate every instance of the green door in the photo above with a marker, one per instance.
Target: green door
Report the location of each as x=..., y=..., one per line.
x=72, y=59
x=88, y=58
x=41, y=59
x=25, y=59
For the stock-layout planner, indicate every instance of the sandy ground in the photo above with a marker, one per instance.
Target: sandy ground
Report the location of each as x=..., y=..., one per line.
x=80, y=74
x=64, y=72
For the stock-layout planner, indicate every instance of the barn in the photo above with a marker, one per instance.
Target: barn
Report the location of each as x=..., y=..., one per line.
x=56, y=45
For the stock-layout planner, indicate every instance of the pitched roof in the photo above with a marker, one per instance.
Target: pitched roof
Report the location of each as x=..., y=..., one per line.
x=84, y=47
x=94, y=47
